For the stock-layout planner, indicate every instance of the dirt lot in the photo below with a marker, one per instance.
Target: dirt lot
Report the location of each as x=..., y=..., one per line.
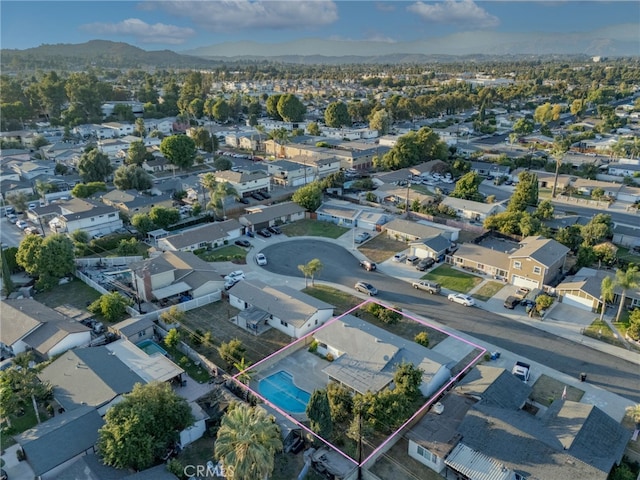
x=397, y=464
x=214, y=318
x=547, y=389
x=381, y=248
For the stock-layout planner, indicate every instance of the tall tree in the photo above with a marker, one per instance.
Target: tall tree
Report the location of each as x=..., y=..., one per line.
x=247, y=442
x=381, y=120
x=272, y=106
x=336, y=115
x=180, y=150
x=290, y=108
x=309, y=196
x=132, y=177
x=468, y=187
x=560, y=147
x=607, y=294
x=626, y=280
x=139, y=429
x=220, y=110
x=319, y=413
x=137, y=153
x=310, y=269
x=525, y=194
x=94, y=166
x=205, y=140
x=49, y=259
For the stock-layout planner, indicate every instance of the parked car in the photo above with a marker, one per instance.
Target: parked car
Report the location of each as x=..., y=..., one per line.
x=399, y=257
x=257, y=196
x=427, y=286
x=522, y=292
x=12, y=217
x=261, y=259
x=462, y=299
x=425, y=263
x=364, y=287
x=368, y=265
x=275, y=230
x=265, y=194
x=264, y=233
x=362, y=237
x=236, y=275
x=21, y=224
x=241, y=242
x=243, y=200
x=522, y=371
x=412, y=260
x=511, y=302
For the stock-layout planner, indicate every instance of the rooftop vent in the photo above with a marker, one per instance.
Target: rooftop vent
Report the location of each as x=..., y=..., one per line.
x=438, y=408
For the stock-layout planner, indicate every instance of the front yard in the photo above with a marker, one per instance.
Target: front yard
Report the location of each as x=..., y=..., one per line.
x=313, y=228
x=381, y=248
x=453, y=279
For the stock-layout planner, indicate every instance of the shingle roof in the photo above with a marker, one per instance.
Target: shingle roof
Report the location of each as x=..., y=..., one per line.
x=61, y=438
x=494, y=386
x=133, y=325
x=272, y=212
x=412, y=228
x=90, y=376
x=543, y=250
x=51, y=333
x=483, y=255
x=17, y=319
x=206, y=233
x=437, y=243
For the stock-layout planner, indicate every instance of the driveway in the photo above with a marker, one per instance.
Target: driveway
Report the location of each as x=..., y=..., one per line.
x=568, y=314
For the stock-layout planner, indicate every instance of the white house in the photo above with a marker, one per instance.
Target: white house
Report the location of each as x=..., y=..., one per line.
x=471, y=210
x=366, y=356
x=281, y=307
x=80, y=214
x=245, y=183
x=203, y=236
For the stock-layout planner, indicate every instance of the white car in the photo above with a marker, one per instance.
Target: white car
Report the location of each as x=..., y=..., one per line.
x=21, y=224
x=462, y=299
x=235, y=276
x=261, y=259
x=399, y=257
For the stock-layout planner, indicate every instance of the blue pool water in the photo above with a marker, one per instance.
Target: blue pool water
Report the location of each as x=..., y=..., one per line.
x=280, y=390
x=151, y=348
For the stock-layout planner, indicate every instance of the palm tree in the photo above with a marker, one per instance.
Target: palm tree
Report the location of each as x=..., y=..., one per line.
x=558, y=151
x=245, y=374
x=247, y=441
x=626, y=281
x=219, y=195
x=606, y=294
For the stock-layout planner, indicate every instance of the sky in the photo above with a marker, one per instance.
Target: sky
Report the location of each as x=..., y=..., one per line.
x=184, y=25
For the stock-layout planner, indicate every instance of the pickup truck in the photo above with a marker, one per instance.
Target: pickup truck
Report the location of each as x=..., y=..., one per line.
x=522, y=371
x=427, y=286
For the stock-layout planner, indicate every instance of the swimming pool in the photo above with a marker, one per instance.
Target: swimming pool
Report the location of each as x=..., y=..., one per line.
x=280, y=390
x=151, y=348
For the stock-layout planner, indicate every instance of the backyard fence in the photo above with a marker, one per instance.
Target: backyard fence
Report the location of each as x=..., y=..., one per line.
x=106, y=261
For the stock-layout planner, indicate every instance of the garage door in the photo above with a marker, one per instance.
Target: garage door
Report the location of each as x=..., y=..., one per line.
x=575, y=301
x=519, y=281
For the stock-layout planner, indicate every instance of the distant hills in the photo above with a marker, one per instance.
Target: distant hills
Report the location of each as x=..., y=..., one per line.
x=469, y=47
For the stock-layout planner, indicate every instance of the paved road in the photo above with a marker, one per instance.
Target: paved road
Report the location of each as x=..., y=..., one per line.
x=603, y=370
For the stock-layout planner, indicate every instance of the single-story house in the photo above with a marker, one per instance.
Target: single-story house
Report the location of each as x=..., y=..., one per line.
x=408, y=231
x=52, y=446
x=490, y=169
x=366, y=356
x=470, y=256
x=587, y=186
x=132, y=202
x=263, y=216
x=435, y=247
x=174, y=274
x=134, y=329
x=281, y=307
x=350, y=215
x=471, y=210
x=624, y=169
x=211, y=235
x=150, y=367
x=26, y=324
x=626, y=235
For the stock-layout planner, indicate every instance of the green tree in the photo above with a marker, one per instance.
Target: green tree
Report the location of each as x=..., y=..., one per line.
x=127, y=247
x=136, y=154
x=143, y=223
x=172, y=339
x=272, y=106
x=162, y=217
x=577, y=107
x=526, y=192
x=94, y=166
x=132, y=177
x=626, y=280
x=49, y=259
x=18, y=200
x=319, y=413
x=173, y=315
x=232, y=351
x=7, y=283
x=112, y=306
x=557, y=152
x=139, y=429
x=290, y=108
x=308, y=196
x=141, y=129
x=85, y=190
x=607, y=294
x=311, y=269
x=220, y=111
x=336, y=115
x=340, y=402
x=381, y=120
x=222, y=163
x=204, y=140
x=407, y=379
x=313, y=129
x=422, y=338
x=179, y=150
x=523, y=126
x=39, y=141
x=544, y=211
x=543, y=302
x=247, y=442
x=599, y=228
x=467, y=187
x=569, y=236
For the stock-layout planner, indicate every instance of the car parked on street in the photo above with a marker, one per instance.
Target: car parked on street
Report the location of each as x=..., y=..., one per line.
x=367, y=288
x=21, y=224
x=261, y=259
x=427, y=286
x=368, y=265
x=462, y=299
x=511, y=302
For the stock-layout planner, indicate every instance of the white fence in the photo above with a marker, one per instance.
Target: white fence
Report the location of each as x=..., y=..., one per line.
x=184, y=306
x=107, y=261
x=91, y=283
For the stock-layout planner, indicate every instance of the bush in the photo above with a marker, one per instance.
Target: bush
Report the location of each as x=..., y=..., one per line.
x=422, y=338
x=329, y=357
x=313, y=347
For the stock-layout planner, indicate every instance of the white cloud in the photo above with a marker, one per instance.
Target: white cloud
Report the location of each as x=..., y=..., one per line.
x=245, y=14
x=463, y=12
x=144, y=32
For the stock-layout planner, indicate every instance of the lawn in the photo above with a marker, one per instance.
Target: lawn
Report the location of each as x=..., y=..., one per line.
x=313, y=228
x=341, y=300
x=602, y=331
x=19, y=424
x=628, y=256
x=75, y=293
x=196, y=372
x=381, y=248
x=230, y=253
x=453, y=279
x=488, y=290
x=547, y=389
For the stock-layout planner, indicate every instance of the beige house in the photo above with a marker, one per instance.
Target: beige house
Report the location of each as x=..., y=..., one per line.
x=470, y=210
x=245, y=183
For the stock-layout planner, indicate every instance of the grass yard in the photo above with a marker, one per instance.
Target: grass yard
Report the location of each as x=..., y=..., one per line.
x=197, y=372
x=313, y=228
x=628, y=256
x=547, y=389
x=488, y=290
x=381, y=248
x=75, y=293
x=229, y=253
x=453, y=279
x=405, y=328
x=601, y=330
x=19, y=424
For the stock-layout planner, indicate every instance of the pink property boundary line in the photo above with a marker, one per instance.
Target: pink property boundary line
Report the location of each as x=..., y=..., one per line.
x=394, y=434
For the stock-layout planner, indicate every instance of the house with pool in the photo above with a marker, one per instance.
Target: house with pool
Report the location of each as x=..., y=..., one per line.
x=281, y=307
x=366, y=357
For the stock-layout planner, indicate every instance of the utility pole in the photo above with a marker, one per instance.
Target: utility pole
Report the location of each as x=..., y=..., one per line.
x=408, y=188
